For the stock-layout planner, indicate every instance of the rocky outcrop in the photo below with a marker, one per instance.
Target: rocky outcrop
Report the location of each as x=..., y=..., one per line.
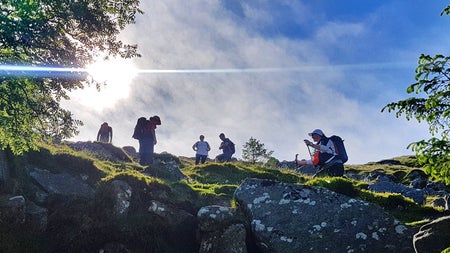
x=61, y=185
x=104, y=151
x=433, y=237
x=12, y=210
x=384, y=184
x=299, y=218
x=4, y=171
x=220, y=230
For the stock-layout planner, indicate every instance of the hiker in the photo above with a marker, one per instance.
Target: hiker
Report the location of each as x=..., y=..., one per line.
x=105, y=133
x=201, y=147
x=324, y=154
x=144, y=132
x=227, y=147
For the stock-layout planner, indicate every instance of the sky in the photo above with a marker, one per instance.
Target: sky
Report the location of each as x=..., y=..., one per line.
x=271, y=70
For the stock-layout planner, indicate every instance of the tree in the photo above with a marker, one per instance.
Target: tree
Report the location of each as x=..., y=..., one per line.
x=432, y=106
x=48, y=33
x=254, y=151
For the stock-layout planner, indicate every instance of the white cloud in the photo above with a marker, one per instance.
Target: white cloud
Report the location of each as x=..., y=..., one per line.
x=279, y=108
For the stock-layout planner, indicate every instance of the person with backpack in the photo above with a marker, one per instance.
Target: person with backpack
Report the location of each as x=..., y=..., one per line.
x=144, y=132
x=227, y=147
x=325, y=154
x=201, y=147
x=105, y=133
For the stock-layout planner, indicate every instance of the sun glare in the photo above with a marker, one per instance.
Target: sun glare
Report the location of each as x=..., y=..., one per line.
x=117, y=74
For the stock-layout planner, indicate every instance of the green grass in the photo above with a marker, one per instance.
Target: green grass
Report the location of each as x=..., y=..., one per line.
x=212, y=182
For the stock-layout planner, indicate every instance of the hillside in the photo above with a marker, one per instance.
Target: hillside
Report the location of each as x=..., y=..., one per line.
x=79, y=220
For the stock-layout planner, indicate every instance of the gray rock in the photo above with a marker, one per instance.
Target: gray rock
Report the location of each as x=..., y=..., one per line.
x=122, y=195
x=231, y=240
x=433, y=237
x=12, y=210
x=289, y=218
x=419, y=183
x=417, y=195
x=215, y=217
x=171, y=215
x=104, y=151
x=62, y=184
x=4, y=170
x=168, y=170
x=36, y=216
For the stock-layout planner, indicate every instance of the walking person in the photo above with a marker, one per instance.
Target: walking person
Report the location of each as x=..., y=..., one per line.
x=227, y=147
x=323, y=155
x=105, y=133
x=201, y=147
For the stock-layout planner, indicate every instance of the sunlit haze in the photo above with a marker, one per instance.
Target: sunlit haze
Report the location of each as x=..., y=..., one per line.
x=271, y=70
x=116, y=74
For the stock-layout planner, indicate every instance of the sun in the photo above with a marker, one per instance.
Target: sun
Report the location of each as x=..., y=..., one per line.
x=117, y=74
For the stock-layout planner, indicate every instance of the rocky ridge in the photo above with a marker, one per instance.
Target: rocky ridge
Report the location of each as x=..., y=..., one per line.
x=75, y=211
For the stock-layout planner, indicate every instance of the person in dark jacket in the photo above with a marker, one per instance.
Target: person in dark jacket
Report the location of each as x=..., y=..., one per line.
x=105, y=133
x=227, y=147
x=146, y=134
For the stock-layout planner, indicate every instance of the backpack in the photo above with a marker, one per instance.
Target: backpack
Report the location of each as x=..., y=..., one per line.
x=341, y=153
x=139, y=128
x=232, y=149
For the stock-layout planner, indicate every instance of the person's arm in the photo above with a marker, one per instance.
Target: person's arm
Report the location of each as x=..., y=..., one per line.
x=208, y=148
x=194, y=147
x=98, y=135
x=323, y=148
x=111, y=135
x=154, y=136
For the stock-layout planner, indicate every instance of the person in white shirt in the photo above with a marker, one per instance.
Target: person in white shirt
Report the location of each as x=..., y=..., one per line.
x=201, y=147
x=323, y=155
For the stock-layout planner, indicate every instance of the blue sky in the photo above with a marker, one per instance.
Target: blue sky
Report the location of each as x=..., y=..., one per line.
x=334, y=66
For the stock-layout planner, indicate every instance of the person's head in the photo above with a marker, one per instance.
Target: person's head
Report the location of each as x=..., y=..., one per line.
x=105, y=124
x=316, y=135
x=155, y=119
x=222, y=136
x=202, y=137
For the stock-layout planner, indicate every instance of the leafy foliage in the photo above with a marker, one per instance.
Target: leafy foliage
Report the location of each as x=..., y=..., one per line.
x=254, y=151
x=433, y=106
x=45, y=33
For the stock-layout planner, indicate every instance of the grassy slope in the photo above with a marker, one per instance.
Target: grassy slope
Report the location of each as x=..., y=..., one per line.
x=213, y=183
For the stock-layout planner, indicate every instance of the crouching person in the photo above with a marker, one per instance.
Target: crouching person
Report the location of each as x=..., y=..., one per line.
x=323, y=155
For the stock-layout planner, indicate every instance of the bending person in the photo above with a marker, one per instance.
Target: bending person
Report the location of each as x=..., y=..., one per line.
x=323, y=155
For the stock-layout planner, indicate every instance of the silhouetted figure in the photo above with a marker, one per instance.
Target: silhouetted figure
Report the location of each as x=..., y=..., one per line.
x=105, y=133
x=144, y=132
x=227, y=147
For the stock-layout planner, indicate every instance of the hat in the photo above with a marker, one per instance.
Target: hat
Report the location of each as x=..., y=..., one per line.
x=316, y=131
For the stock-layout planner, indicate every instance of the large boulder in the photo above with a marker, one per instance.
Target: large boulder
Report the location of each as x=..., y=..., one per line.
x=220, y=230
x=4, y=171
x=230, y=240
x=62, y=185
x=104, y=151
x=122, y=196
x=12, y=210
x=433, y=237
x=384, y=184
x=298, y=218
